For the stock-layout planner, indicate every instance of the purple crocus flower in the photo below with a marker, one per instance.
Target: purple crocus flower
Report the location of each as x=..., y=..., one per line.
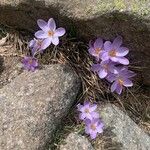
x=36, y=46
x=120, y=79
x=87, y=111
x=49, y=32
x=93, y=127
x=30, y=63
x=115, y=52
x=104, y=68
x=96, y=48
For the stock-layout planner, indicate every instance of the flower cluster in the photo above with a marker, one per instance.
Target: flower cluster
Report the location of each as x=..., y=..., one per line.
x=111, y=63
x=44, y=38
x=88, y=114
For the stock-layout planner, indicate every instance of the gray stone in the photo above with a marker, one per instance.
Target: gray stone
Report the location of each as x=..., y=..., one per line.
x=32, y=105
x=74, y=141
x=107, y=18
x=10, y=65
x=125, y=131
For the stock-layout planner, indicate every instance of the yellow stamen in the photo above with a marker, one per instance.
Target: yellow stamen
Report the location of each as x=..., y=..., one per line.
x=30, y=61
x=93, y=126
x=87, y=110
x=50, y=33
x=97, y=50
x=112, y=53
x=120, y=81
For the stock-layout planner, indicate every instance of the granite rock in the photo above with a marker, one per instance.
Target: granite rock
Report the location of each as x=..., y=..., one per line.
x=74, y=141
x=125, y=132
x=32, y=106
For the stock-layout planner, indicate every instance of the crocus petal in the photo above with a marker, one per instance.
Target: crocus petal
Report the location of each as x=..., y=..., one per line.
x=123, y=60
x=98, y=43
x=93, y=107
x=55, y=40
x=79, y=106
x=33, y=51
x=114, y=86
x=41, y=34
x=60, y=32
x=99, y=129
x=52, y=24
x=95, y=115
x=127, y=83
x=105, y=56
x=107, y=46
x=117, y=42
x=131, y=74
x=42, y=24
x=89, y=116
x=32, y=68
x=122, y=51
x=111, y=77
x=87, y=122
x=93, y=135
x=119, y=89
x=91, y=51
x=87, y=131
x=113, y=69
x=102, y=73
x=81, y=116
x=86, y=103
x=95, y=67
x=114, y=59
x=35, y=64
x=31, y=43
x=46, y=43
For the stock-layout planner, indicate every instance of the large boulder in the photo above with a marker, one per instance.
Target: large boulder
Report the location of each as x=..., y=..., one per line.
x=32, y=106
x=106, y=18
x=122, y=130
x=74, y=141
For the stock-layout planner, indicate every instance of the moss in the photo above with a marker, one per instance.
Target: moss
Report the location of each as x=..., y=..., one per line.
x=119, y=4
